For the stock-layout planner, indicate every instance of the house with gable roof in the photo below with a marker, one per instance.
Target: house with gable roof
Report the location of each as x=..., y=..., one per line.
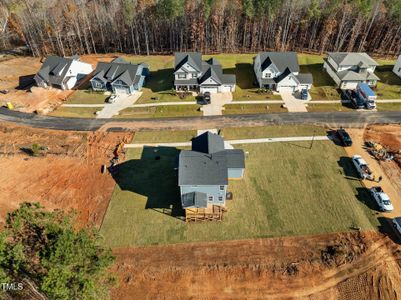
x=61, y=72
x=350, y=68
x=119, y=76
x=204, y=171
x=279, y=71
x=191, y=73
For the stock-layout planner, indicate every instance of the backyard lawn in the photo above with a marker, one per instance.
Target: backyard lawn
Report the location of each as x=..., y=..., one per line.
x=389, y=87
x=296, y=188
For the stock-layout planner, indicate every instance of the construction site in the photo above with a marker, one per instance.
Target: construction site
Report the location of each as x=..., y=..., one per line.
x=73, y=170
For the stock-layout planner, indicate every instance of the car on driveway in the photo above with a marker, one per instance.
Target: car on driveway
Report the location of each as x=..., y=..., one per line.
x=362, y=167
x=206, y=97
x=382, y=199
x=344, y=137
x=112, y=99
x=355, y=101
x=304, y=94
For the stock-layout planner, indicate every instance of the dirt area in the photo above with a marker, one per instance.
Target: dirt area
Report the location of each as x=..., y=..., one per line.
x=66, y=175
x=16, y=72
x=390, y=171
x=335, y=266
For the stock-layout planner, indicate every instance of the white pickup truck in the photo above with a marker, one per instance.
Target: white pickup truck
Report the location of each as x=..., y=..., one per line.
x=362, y=167
x=382, y=199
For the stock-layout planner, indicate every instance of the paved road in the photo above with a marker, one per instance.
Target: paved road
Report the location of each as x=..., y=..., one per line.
x=352, y=119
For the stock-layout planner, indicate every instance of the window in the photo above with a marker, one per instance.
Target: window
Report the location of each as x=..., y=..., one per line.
x=194, y=75
x=221, y=187
x=399, y=70
x=182, y=76
x=210, y=199
x=268, y=75
x=220, y=198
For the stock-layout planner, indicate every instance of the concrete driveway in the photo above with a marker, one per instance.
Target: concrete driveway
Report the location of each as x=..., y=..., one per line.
x=122, y=102
x=293, y=104
x=217, y=101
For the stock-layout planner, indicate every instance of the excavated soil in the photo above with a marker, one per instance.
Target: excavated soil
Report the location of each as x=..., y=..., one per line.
x=66, y=175
x=333, y=266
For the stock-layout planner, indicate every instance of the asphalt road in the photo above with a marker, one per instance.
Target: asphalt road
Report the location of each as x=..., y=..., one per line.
x=345, y=119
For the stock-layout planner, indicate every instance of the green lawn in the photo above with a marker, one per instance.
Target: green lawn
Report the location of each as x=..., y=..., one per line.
x=388, y=106
x=272, y=131
x=161, y=111
x=161, y=80
x=389, y=87
x=164, y=136
x=323, y=87
x=86, y=97
x=230, y=109
x=288, y=189
x=75, y=112
x=327, y=107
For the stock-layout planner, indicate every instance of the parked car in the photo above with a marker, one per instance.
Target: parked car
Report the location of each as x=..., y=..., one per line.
x=382, y=199
x=355, y=101
x=206, y=97
x=362, y=167
x=112, y=99
x=397, y=224
x=304, y=94
x=344, y=137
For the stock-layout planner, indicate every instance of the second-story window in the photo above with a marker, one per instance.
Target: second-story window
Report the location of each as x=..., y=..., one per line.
x=182, y=76
x=268, y=75
x=221, y=187
x=194, y=75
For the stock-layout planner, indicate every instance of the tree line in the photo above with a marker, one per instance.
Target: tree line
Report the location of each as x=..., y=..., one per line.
x=67, y=27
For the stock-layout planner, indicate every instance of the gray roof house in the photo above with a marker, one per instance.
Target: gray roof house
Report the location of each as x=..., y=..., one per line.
x=280, y=71
x=350, y=68
x=204, y=171
x=119, y=76
x=61, y=72
x=191, y=73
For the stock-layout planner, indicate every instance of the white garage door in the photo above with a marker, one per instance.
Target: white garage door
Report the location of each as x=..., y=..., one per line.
x=209, y=89
x=121, y=90
x=226, y=88
x=286, y=88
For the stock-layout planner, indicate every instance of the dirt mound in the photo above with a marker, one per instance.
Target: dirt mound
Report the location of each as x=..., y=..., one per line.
x=280, y=268
x=65, y=175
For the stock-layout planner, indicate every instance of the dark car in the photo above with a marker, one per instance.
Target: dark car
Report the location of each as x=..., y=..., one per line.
x=344, y=137
x=304, y=94
x=355, y=101
x=206, y=97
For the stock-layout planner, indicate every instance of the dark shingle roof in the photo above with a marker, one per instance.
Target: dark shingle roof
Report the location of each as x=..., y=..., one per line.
x=208, y=143
x=54, y=69
x=282, y=60
x=283, y=75
x=212, y=68
x=118, y=69
x=194, y=199
x=196, y=168
x=235, y=158
x=192, y=58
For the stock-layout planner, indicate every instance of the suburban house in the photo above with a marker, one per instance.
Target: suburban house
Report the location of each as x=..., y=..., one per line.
x=61, y=72
x=397, y=67
x=204, y=171
x=191, y=73
x=350, y=68
x=279, y=71
x=119, y=76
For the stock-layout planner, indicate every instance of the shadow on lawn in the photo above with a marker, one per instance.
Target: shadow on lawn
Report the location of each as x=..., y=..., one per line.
x=386, y=227
x=349, y=171
x=364, y=196
x=244, y=75
x=160, y=80
x=153, y=176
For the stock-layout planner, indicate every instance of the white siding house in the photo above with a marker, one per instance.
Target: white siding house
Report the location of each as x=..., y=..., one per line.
x=397, y=67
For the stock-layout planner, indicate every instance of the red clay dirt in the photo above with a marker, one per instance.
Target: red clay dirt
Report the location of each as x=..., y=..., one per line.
x=334, y=266
x=67, y=176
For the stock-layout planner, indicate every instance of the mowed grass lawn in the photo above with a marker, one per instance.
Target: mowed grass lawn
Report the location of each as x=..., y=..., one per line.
x=230, y=109
x=75, y=112
x=161, y=111
x=288, y=189
x=389, y=86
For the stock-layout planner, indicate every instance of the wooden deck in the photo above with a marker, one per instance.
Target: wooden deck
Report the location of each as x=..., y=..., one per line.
x=211, y=213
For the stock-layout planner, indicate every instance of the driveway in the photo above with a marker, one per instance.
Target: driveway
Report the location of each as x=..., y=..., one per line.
x=122, y=102
x=217, y=101
x=293, y=104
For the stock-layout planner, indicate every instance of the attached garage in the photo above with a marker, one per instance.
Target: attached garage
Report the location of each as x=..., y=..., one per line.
x=227, y=88
x=285, y=88
x=121, y=90
x=210, y=89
